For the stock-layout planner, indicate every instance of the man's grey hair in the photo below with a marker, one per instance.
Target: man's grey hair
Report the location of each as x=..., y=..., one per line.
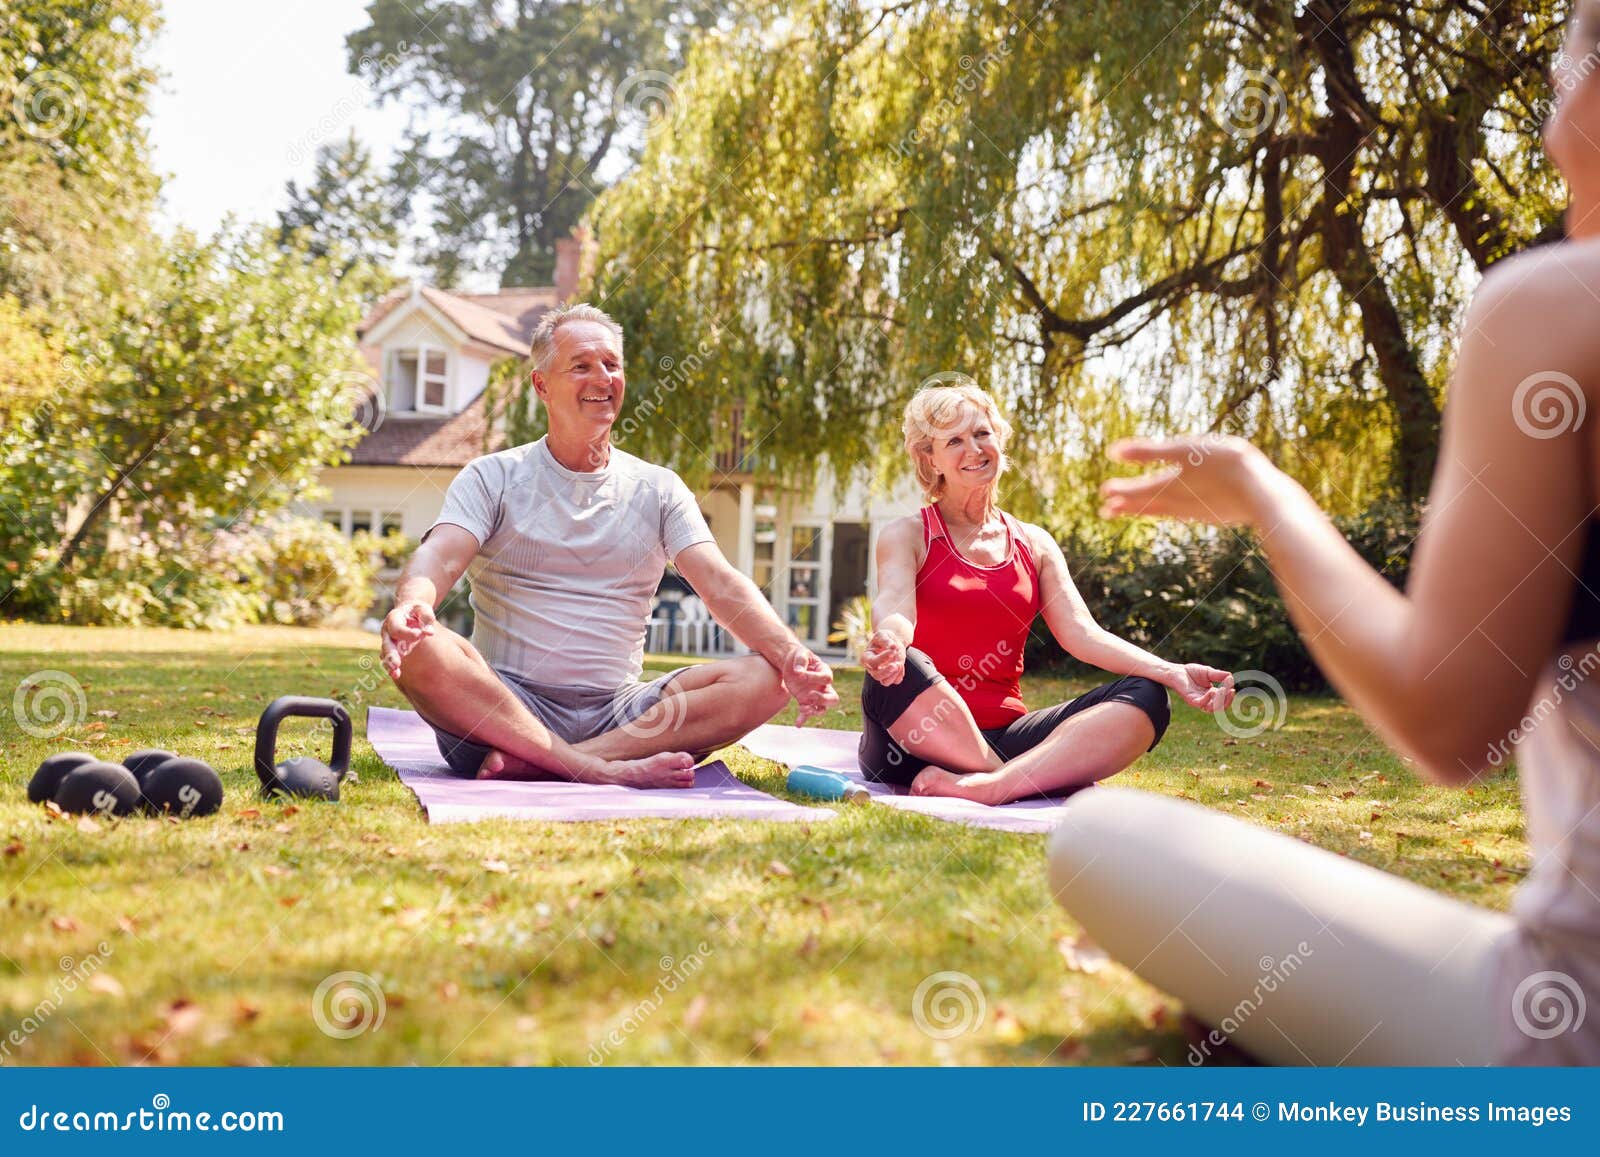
x=544, y=337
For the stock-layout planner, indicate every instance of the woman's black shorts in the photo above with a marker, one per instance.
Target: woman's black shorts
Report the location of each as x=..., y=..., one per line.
x=885, y=761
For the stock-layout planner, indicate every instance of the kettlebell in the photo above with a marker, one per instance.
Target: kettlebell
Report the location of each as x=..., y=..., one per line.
x=302, y=776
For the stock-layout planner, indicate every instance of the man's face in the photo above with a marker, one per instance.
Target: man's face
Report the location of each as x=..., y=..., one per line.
x=582, y=386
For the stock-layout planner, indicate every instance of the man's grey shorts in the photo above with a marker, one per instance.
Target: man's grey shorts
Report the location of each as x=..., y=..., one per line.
x=572, y=713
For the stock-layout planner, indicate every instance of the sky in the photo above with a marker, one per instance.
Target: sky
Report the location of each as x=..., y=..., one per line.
x=248, y=92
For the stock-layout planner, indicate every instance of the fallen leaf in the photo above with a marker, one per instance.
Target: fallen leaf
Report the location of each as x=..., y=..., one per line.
x=87, y=825
x=758, y=1041
x=1139, y=1055
x=371, y=838
x=64, y=924
x=696, y=1010
x=1069, y=1050
x=1082, y=954
x=1007, y=1028
x=411, y=917
x=500, y=867
x=809, y=945
x=779, y=868
x=244, y=1012
x=250, y=813
x=183, y=1017
x=106, y=713
x=106, y=984
x=127, y=924
x=449, y=990
x=1263, y=783
x=812, y=1015
x=15, y=848
x=288, y=901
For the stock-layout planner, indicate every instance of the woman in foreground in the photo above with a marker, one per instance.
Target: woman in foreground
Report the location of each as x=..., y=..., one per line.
x=958, y=589
x=1308, y=958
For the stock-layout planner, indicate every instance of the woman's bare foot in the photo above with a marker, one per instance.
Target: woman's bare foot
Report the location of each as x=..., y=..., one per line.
x=979, y=787
x=669, y=769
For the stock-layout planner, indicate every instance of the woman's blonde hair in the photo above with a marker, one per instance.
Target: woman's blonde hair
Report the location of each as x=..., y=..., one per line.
x=935, y=409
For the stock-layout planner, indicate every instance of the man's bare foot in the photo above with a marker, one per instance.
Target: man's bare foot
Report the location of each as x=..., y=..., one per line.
x=979, y=788
x=501, y=765
x=669, y=769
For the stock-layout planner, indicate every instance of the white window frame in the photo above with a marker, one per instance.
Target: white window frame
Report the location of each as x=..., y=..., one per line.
x=819, y=578
x=424, y=378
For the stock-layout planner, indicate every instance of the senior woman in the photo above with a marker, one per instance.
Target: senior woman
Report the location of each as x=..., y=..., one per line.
x=959, y=586
x=1494, y=641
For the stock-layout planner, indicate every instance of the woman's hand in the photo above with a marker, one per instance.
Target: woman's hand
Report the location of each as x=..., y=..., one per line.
x=885, y=657
x=1216, y=479
x=1201, y=686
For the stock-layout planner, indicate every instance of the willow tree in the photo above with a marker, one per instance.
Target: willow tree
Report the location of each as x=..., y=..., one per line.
x=1261, y=217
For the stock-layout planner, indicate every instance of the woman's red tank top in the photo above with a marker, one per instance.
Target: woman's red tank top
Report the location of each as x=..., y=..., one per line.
x=973, y=621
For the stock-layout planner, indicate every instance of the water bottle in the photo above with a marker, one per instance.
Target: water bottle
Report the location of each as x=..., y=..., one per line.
x=828, y=785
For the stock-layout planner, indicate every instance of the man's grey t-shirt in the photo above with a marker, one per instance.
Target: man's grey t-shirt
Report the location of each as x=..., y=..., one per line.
x=568, y=562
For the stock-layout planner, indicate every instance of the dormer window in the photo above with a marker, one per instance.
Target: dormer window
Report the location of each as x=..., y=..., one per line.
x=417, y=379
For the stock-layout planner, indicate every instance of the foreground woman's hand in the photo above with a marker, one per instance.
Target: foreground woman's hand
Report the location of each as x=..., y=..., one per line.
x=1198, y=685
x=1217, y=479
x=885, y=658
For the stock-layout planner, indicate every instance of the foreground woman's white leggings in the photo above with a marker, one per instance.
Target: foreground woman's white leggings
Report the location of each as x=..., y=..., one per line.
x=1297, y=955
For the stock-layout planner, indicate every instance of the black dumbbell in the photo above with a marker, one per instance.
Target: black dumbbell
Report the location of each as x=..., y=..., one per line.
x=303, y=776
x=183, y=787
x=142, y=763
x=52, y=771
x=99, y=789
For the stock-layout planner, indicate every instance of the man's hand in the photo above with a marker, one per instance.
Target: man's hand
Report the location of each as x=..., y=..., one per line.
x=1201, y=686
x=403, y=628
x=885, y=657
x=810, y=682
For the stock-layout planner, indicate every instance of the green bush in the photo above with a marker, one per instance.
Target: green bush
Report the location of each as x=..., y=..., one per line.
x=1206, y=595
x=297, y=571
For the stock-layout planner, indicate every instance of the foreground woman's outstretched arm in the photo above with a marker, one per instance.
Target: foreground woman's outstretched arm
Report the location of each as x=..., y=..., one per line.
x=1446, y=669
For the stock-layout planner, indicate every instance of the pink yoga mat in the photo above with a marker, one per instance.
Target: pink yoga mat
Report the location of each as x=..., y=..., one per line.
x=836, y=751
x=407, y=744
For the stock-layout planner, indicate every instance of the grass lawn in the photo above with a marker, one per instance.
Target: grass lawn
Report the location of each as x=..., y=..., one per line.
x=650, y=941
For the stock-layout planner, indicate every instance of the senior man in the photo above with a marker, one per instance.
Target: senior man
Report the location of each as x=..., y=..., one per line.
x=565, y=540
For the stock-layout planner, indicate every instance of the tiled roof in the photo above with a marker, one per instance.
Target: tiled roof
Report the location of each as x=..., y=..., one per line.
x=504, y=320
x=446, y=440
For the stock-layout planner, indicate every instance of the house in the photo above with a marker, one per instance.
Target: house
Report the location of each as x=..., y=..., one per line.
x=431, y=351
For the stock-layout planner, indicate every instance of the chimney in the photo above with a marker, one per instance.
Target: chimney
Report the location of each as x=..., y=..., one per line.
x=574, y=261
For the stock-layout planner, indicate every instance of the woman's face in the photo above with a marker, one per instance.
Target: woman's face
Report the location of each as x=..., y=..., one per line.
x=967, y=454
x=1572, y=132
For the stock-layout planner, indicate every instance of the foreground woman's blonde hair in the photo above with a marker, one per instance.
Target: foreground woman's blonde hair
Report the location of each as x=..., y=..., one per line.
x=938, y=409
